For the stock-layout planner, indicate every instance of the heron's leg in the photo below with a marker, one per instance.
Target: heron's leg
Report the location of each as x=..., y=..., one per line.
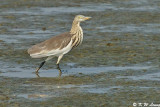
x=59, y=69
x=50, y=57
x=40, y=66
x=59, y=58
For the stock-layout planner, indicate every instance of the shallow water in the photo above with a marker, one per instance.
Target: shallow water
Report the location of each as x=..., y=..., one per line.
x=29, y=73
x=152, y=76
x=143, y=28
x=116, y=65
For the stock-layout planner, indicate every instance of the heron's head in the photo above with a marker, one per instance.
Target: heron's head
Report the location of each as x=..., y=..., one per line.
x=81, y=18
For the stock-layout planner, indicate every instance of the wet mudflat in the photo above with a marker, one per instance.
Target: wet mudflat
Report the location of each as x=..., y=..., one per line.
x=116, y=65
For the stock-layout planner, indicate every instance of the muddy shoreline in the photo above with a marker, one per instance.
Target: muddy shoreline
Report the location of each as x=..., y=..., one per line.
x=116, y=65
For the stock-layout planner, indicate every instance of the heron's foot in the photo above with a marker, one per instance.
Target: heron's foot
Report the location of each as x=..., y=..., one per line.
x=60, y=73
x=37, y=70
x=59, y=69
x=37, y=75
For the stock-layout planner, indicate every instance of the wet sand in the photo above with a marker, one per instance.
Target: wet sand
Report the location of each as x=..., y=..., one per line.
x=116, y=65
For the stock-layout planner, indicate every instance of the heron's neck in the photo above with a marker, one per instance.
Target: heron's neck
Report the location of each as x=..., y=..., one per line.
x=75, y=27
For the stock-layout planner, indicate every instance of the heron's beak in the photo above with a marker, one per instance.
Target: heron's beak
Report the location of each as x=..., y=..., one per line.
x=87, y=18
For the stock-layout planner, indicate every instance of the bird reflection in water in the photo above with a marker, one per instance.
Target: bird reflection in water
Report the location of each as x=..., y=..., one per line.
x=58, y=68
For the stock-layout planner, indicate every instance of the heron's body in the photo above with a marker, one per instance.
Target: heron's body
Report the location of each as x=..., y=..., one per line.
x=55, y=46
x=60, y=44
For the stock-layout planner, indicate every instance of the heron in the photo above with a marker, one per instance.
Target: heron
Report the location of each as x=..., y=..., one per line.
x=58, y=46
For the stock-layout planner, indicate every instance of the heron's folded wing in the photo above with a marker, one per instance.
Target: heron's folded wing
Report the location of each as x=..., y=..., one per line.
x=54, y=43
